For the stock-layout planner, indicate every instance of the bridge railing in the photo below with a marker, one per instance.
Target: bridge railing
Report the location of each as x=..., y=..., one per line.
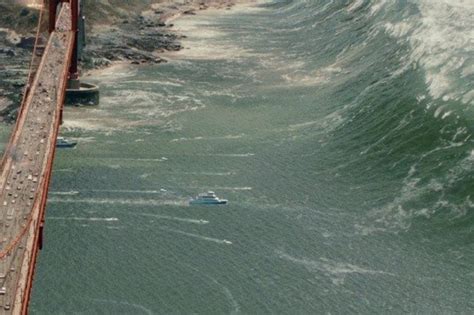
x=29, y=233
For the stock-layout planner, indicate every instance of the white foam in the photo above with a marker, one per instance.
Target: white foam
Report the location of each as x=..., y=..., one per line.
x=201, y=237
x=200, y=138
x=179, y=219
x=205, y=41
x=202, y=43
x=106, y=201
x=230, y=173
x=245, y=188
x=125, y=191
x=84, y=219
x=468, y=98
x=104, y=124
x=377, y=6
x=355, y=5
x=137, y=159
x=237, y=155
x=399, y=214
x=84, y=139
x=114, y=227
x=113, y=73
x=154, y=82
x=398, y=29
x=337, y=271
x=64, y=193
x=324, y=75
x=441, y=40
x=302, y=125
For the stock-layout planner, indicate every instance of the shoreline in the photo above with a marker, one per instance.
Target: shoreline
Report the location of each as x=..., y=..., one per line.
x=145, y=38
x=137, y=39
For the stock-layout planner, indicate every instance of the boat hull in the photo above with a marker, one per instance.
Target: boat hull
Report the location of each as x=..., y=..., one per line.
x=200, y=202
x=65, y=145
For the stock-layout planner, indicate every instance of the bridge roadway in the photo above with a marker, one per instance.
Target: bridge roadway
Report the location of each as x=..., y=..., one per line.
x=26, y=169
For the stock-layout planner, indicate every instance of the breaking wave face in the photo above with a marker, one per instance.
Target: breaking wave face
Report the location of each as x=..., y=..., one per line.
x=402, y=78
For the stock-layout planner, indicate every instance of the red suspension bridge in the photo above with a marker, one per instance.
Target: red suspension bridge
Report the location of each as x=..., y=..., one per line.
x=27, y=162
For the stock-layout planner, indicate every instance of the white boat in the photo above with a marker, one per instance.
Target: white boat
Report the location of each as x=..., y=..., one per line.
x=208, y=198
x=64, y=143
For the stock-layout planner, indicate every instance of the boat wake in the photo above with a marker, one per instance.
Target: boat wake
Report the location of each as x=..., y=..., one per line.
x=197, y=236
x=84, y=219
x=106, y=201
x=179, y=219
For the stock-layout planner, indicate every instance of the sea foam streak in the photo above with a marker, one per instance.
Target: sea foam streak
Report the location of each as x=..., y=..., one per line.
x=201, y=237
x=64, y=193
x=166, y=217
x=337, y=271
x=107, y=201
x=84, y=219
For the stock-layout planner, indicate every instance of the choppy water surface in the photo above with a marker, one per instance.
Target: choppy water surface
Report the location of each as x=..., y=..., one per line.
x=340, y=131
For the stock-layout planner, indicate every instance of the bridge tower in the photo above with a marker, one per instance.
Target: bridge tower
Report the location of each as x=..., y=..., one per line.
x=77, y=92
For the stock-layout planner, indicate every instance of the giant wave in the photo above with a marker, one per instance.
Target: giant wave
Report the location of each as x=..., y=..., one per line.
x=402, y=77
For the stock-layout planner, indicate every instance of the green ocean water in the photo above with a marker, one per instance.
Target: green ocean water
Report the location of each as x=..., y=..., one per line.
x=330, y=128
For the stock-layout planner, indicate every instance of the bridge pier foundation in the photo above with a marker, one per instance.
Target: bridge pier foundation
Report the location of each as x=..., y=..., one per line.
x=81, y=93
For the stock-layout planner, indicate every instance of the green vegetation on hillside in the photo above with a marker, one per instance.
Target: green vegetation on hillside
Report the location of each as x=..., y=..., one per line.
x=106, y=11
x=23, y=19
x=17, y=17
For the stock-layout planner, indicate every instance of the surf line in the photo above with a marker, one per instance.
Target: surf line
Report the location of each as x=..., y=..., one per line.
x=201, y=237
